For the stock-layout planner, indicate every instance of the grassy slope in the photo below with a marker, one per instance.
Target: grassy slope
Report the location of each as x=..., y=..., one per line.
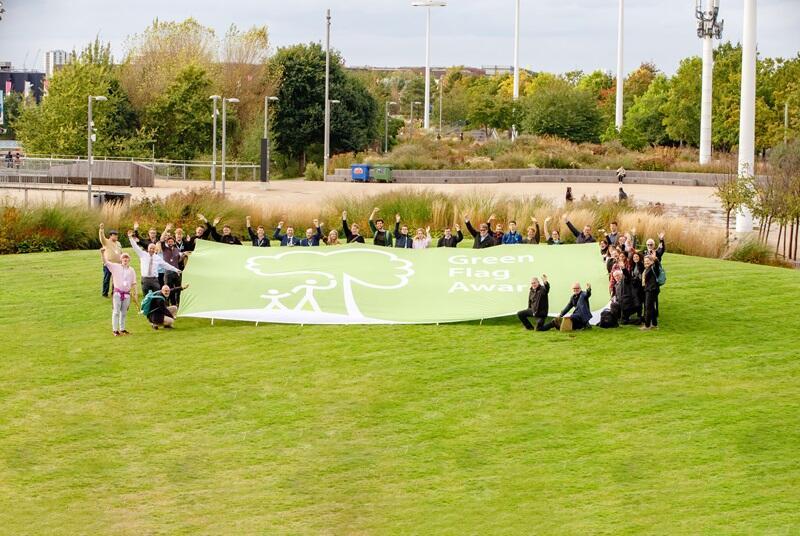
x=461, y=428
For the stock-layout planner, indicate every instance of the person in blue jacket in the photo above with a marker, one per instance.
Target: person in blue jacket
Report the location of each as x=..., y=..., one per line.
x=512, y=236
x=312, y=238
x=582, y=313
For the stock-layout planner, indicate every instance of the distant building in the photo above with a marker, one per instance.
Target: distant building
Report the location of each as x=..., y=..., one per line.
x=53, y=61
x=29, y=83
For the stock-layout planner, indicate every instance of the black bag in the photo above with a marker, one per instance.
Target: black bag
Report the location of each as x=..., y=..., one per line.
x=608, y=319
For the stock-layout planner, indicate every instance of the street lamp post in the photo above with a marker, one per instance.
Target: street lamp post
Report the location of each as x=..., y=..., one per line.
x=232, y=100
x=266, y=129
x=428, y=4
x=620, y=75
x=747, y=110
x=411, y=125
x=327, y=155
x=386, y=126
x=516, y=64
x=90, y=137
x=214, y=98
x=708, y=27
x=327, y=144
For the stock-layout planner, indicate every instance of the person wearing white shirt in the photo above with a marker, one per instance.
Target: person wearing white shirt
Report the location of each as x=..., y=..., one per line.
x=423, y=239
x=150, y=262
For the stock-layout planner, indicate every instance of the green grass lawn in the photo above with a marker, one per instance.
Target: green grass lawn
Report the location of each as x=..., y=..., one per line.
x=453, y=429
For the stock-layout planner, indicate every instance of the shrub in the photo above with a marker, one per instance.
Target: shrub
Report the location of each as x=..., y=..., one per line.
x=313, y=172
x=752, y=251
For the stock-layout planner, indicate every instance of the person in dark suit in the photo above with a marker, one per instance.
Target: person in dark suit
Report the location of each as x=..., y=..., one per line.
x=258, y=237
x=401, y=237
x=313, y=239
x=449, y=240
x=538, y=304
x=581, y=237
x=582, y=313
x=483, y=238
x=352, y=232
x=288, y=239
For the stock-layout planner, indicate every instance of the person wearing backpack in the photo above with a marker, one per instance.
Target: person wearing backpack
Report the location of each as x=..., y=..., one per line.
x=155, y=307
x=651, y=291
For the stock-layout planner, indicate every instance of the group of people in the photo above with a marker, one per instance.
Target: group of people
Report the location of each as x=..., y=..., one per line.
x=635, y=276
x=635, y=280
x=13, y=161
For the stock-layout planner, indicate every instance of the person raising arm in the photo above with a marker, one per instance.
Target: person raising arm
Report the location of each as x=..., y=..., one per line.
x=450, y=241
x=381, y=237
x=351, y=232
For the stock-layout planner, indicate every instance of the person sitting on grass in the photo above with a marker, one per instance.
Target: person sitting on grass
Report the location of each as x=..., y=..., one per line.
x=448, y=240
x=124, y=282
x=258, y=237
x=423, y=238
x=155, y=307
x=581, y=237
x=401, y=237
x=288, y=239
x=113, y=249
x=553, y=237
x=312, y=238
x=582, y=313
x=381, y=236
x=512, y=236
x=538, y=304
x=483, y=238
x=352, y=232
x=333, y=238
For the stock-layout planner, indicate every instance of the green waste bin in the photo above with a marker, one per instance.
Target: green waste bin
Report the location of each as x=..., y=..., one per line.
x=382, y=173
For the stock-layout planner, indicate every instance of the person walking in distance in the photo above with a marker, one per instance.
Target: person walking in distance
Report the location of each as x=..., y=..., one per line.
x=149, y=262
x=124, y=279
x=113, y=249
x=538, y=304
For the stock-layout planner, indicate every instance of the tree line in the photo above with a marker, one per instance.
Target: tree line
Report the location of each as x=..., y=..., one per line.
x=158, y=99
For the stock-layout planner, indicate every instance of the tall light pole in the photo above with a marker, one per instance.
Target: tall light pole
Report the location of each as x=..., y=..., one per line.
x=327, y=143
x=441, y=103
x=620, y=68
x=267, y=100
x=428, y=4
x=708, y=27
x=90, y=137
x=747, y=115
x=232, y=100
x=214, y=98
x=411, y=125
x=386, y=125
x=516, y=64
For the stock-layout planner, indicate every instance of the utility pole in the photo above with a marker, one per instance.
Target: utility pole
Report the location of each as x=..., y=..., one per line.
x=516, y=66
x=214, y=98
x=747, y=117
x=327, y=150
x=708, y=27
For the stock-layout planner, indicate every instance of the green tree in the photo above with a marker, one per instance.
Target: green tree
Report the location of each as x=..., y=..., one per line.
x=559, y=109
x=299, y=73
x=682, y=108
x=180, y=119
x=645, y=119
x=58, y=125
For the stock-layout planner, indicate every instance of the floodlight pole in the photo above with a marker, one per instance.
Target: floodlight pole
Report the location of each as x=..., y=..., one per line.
x=89, y=142
x=214, y=98
x=708, y=27
x=516, y=64
x=620, y=74
x=428, y=4
x=747, y=116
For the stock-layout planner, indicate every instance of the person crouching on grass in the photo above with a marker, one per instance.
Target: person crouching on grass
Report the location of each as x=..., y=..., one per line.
x=124, y=281
x=156, y=308
x=538, y=304
x=580, y=302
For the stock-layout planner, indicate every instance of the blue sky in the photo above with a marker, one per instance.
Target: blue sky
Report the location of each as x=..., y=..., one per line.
x=557, y=35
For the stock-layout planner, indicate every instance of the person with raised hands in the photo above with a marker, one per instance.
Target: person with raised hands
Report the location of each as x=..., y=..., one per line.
x=258, y=237
x=651, y=246
x=448, y=240
x=582, y=313
x=124, y=289
x=226, y=237
x=289, y=239
x=380, y=235
x=423, y=238
x=538, y=304
x=352, y=233
x=581, y=237
x=512, y=236
x=534, y=233
x=113, y=251
x=483, y=238
x=149, y=262
x=401, y=237
x=313, y=238
x=553, y=237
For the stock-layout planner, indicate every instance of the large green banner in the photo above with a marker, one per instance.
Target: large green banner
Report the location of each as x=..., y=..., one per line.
x=359, y=284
